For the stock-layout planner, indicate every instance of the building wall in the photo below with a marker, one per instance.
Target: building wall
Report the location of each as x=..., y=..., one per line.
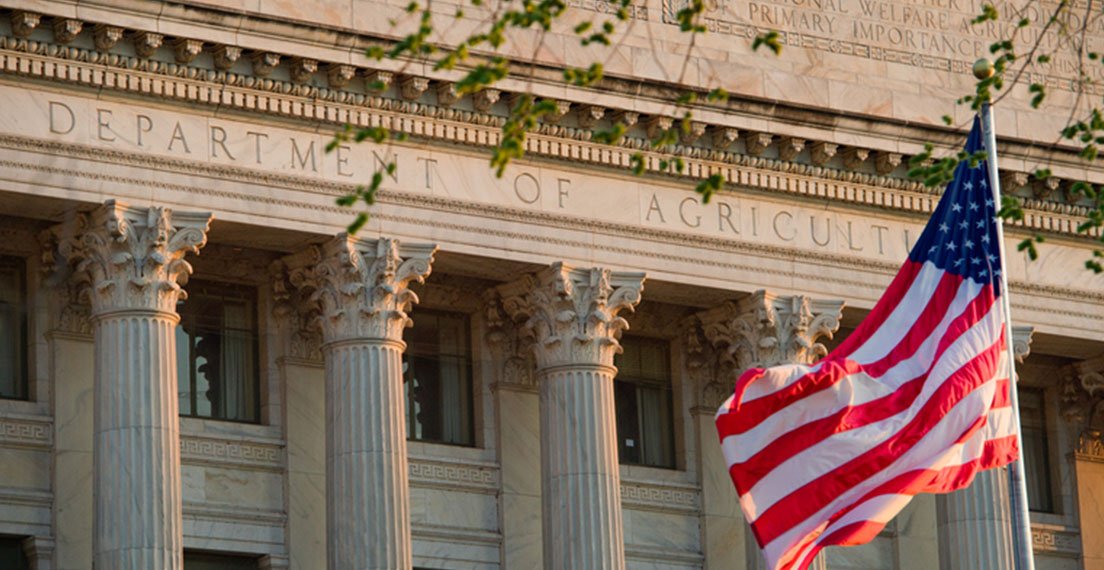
x=80, y=125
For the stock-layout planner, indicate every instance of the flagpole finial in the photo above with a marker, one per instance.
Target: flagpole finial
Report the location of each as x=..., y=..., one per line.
x=983, y=68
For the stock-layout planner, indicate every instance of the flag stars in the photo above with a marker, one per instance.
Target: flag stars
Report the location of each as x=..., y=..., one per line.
x=983, y=272
x=944, y=228
x=985, y=238
x=968, y=185
x=975, y=260
x=963, y=224
x=992, y=258
x=969, y=244
x=951, y=246
x=974, y=206
x=980, y=224
x=956, y=207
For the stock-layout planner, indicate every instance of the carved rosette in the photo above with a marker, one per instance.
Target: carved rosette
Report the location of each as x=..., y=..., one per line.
x=512, y=350
x=358, y=289
x=126, y=258
x=571, y=314
x=765, y=330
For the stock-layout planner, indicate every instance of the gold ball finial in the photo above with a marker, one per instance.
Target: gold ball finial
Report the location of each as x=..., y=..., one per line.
x=983, y=69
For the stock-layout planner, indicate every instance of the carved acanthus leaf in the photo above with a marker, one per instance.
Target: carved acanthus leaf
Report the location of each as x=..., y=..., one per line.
x=512, y=350
x=353, y=289
x=131, y=258
x=573, y=315
x=764, y=329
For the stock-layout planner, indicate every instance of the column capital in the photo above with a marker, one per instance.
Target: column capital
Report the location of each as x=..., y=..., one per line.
x=127, y=258
x=1083, y=405
x=765, y=329
x=572, y=314
x=357, y=289
x=511, y=348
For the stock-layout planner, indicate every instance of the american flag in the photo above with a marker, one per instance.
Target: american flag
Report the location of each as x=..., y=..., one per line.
x=915, y=400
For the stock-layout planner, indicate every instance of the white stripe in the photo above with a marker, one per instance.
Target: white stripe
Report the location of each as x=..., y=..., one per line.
x=852, y=390
x=882, y=340
x=931, y=452
x=812, y=462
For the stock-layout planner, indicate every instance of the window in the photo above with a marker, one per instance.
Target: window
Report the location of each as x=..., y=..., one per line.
x=1037, y=469
x=216, y=352
x=437, y=371
x=642, y=395
x=12, y=556
x=205, y=561
x=13, y=329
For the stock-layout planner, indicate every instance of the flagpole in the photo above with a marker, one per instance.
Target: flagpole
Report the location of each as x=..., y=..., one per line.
x=1017, y=483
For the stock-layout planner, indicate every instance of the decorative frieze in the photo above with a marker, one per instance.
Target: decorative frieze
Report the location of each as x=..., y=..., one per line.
x=23, y=22
x=225, y=56
x=821, y=152
x=886, y=162
x=756, y=143
x=1055, y=540
x=236, y=454
x=302, y=69
x=659, y=497
x=484, y=99
x=853, y=158
x=186, y=50
x=411, y=87
x=67, y=29
x=589, y=115
x=105, y=37
x=37, y=433
x=264, y=63
x=147, y=43
x=790, y=147
x=434, y=473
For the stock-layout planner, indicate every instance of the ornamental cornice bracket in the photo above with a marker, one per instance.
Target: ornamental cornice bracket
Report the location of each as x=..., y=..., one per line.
x=790, y=147
x=886, y=162
x=378, y=81
x=627, y=118
x=225, y=56
x=23, y=23
x=105, y=37
x=724, y=137
x=146, y=43
x=186, y=50
x=757, y=143
x=821, y=152
x=264, y=63
x=657, y=125
x=353, y=288
x=1013, y=181
x=339, y=75
x=560, y=108
x=692, y=133
x=853, y=158
x=67, y=29
x=572, y=314
x=127, y=258
x=447, y=96
x=302, y=69
x=589, y=115
x=485, y=98
x=411, y=87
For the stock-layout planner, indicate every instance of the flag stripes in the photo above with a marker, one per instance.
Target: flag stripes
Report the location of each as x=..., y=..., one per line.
x=915, y=400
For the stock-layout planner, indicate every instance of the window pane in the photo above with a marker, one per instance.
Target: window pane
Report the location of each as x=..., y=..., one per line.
x=203, y=561
x=11, y=553
x=437, y=372
x=13, y=327
x=1036, y=453
x=218, y=372
x=642, y=395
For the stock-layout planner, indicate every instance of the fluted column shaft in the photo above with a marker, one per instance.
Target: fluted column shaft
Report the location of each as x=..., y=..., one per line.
x=975, y=528
x=137, y=443
x=582, y=491
x=367, y=489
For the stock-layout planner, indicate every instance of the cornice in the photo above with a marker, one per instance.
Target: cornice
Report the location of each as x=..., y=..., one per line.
x=840, y=173
x=529, y=217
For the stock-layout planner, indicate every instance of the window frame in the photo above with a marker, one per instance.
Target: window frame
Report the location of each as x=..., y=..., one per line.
x=1048, y=468
x=23, y=375
x=467, y=362
x=669, y=386
x=246, y=292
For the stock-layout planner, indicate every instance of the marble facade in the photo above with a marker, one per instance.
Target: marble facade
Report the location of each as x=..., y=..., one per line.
x=200, y=128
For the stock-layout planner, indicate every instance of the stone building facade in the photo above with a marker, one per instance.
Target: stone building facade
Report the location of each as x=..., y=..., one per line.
x=516, y=372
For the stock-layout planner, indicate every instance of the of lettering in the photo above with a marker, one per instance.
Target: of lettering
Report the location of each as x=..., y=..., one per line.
x=103, y=125
x=654, y=207
x=218, y=139
x=342, y=160
x=297, y=156
x=178, y=135
x=527, y=188
x=145, y=125
x=682, y=212
x=789, y=223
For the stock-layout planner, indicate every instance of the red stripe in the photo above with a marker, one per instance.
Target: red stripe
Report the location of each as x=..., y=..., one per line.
x=997, y=452
x=748, y=473
x=833, y=369
x=881, y=311
x=1002, y=399
x=813, y=496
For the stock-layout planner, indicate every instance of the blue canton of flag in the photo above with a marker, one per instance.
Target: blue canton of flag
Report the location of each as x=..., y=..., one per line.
x=961, y=237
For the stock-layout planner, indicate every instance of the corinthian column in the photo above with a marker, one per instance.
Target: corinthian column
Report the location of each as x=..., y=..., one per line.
x=130, y=262
x=572, y=315
x=357, y=293
x=975, y=523
x=761, y=330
